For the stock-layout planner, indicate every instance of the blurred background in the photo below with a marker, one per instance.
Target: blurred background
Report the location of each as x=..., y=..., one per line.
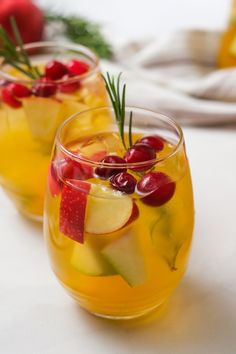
x=172, y=51
x=137, y=18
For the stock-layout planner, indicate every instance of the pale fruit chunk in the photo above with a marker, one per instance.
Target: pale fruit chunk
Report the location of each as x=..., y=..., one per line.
x=15, y=119
x=43, y=116
x=66, y=97
x=126, y=258
x=107, y=210
x=165, y=237
x=88, y=260
x=92, y=148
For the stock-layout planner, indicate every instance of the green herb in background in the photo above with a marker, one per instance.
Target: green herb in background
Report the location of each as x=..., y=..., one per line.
x=80, y=30
x=18, y=58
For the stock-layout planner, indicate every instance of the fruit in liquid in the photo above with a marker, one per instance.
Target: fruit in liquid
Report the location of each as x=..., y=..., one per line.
x=131, y=254
x=27, y=132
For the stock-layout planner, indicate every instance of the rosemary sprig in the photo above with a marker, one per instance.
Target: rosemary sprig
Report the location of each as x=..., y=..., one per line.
x=82, y=31
x=18, y=58
x=117, y=97
x=130, y=128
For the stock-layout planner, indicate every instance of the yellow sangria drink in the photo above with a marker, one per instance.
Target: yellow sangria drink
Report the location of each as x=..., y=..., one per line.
x=119, y=211
x=66, y=80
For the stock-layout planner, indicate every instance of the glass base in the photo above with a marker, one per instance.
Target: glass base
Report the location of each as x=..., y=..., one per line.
x=25, y=203
x=157, y=309
x=94, y=307
x=32, y=217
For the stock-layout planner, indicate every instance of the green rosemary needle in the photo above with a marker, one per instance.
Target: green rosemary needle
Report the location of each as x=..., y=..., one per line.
x=82, y=31
x=117, y=97
x=17, y=58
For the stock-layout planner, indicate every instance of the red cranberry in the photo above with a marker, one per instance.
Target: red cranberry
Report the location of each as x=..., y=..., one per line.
x=77, y=67
x=154, y=141
x=44, y=88
x=54, y=70
x=140, y=153
x=107, y=172
x=67, y=86
x=124, y=182
x=9, y=99
x=19, y=90
x=157, y=188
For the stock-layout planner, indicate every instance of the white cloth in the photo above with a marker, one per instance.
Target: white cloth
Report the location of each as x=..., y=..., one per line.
x=177, y=75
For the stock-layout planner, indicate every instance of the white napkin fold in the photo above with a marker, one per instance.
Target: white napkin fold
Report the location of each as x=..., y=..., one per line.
x=177, y=75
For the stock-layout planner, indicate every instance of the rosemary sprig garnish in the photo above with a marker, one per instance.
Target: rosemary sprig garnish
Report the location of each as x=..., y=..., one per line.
x=117, y=97
x=18, y=58
x=130, y=128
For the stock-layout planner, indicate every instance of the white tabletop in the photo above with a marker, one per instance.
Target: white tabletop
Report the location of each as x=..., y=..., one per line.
x=37, y=316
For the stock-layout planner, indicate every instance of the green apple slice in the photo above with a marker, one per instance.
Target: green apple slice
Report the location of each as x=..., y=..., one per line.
x=164, y=237
x=87, y=260
x=107, y=210
x=126, y=258
x=43, y=116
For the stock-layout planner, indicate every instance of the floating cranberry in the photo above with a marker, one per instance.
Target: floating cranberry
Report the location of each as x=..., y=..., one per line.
x=123, y=182
x=54, y=70
x=107, y=172
x=154, y=141
x=19, y=90
x=77, y=67
x=44, y=88
x=140, y=153
x=68, y=86
x=157, y=188
x=9, y=99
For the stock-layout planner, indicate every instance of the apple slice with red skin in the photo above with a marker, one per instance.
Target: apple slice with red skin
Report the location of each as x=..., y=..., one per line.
x=89, y=207
x=73, y=209
x=67, y=169
x=108, y=210
x=134, y=215
x=70, y=169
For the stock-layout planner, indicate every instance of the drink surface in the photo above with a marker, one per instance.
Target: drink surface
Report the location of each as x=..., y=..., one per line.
x=27, y=132
x=133, y=253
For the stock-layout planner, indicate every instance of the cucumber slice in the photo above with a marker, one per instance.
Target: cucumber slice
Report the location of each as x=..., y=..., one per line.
x=126, y=258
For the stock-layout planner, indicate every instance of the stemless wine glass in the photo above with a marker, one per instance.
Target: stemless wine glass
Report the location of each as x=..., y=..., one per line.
x=31, y=111
x=118, y=244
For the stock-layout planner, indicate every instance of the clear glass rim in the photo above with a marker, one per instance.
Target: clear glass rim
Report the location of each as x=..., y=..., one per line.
x=66, y=45
x=170, y=121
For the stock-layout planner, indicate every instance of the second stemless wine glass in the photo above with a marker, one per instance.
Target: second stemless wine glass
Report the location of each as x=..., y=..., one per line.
x=32, y=110
x=119, y=245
